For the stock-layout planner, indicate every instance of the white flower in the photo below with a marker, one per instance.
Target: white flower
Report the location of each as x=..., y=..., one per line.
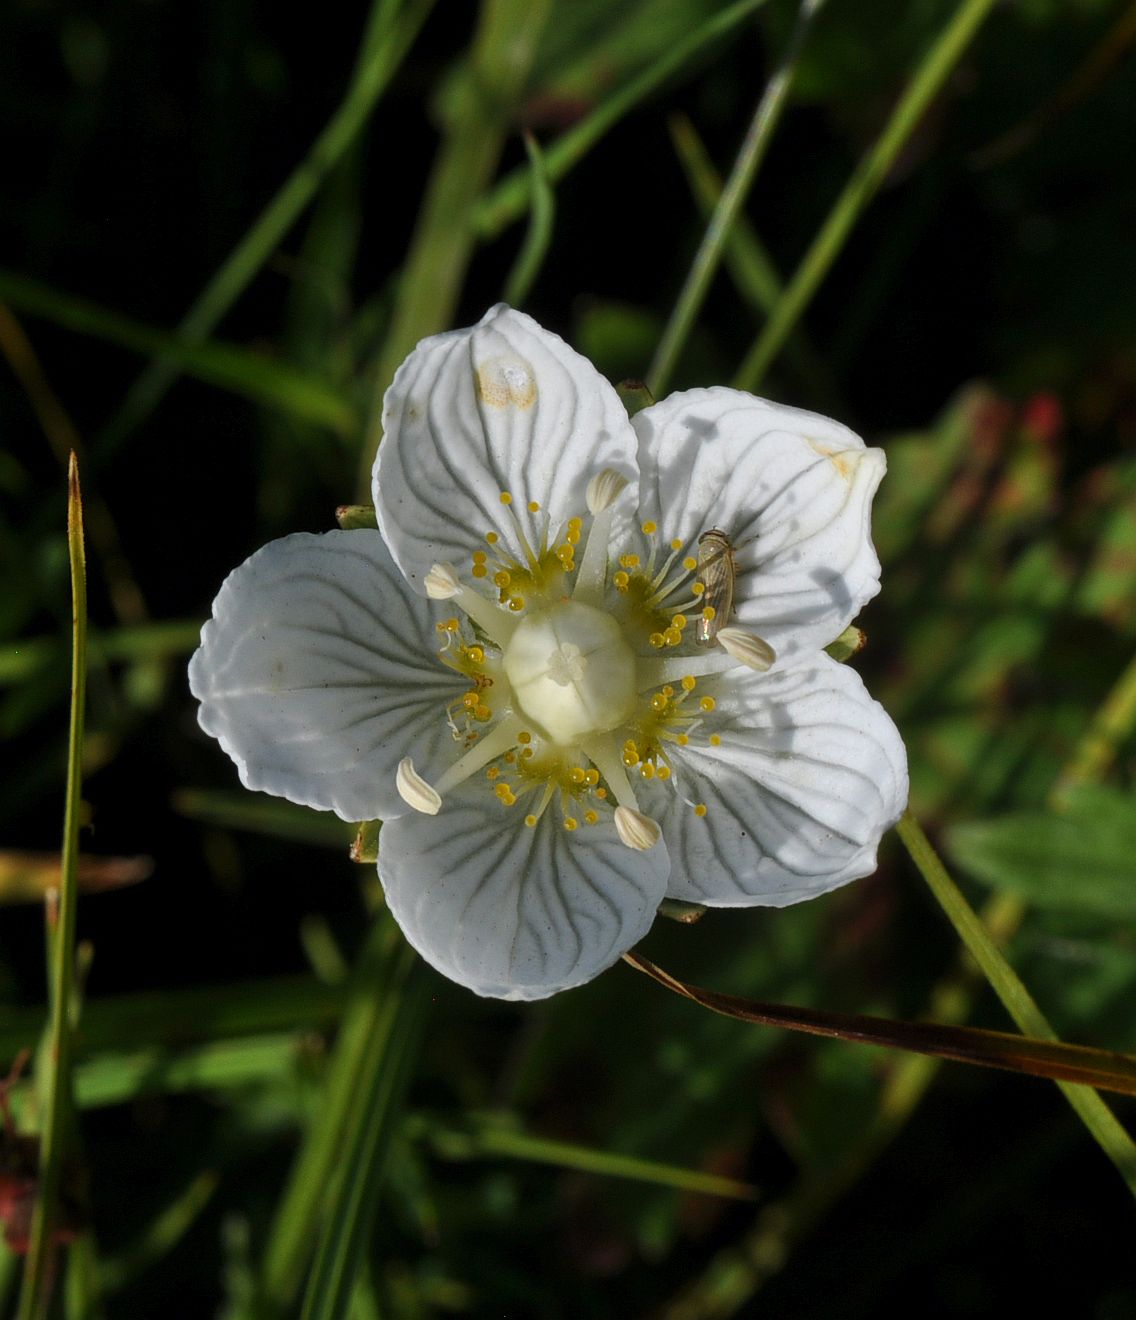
x=506, y=672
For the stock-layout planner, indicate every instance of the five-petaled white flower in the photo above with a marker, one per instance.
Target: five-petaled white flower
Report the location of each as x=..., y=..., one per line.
x=507, y=671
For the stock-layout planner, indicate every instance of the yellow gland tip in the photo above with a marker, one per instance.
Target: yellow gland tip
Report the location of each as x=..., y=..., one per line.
x=700, y=809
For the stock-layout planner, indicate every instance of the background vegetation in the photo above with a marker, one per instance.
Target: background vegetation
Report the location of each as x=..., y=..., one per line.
x=276, y=1107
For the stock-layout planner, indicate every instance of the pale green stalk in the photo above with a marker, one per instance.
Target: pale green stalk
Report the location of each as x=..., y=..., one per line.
x=510, y=198
x=714, y=238
x=391, y=31
x=538, y=236
x=933, y=70
x=479, y=114
x=1090, y=1108
x=54, y=1066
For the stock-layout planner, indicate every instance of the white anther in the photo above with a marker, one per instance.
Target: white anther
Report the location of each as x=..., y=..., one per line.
x=603, y=489
x=415, y=791
x=636, y=830
x=442, y=583
x=747, y=648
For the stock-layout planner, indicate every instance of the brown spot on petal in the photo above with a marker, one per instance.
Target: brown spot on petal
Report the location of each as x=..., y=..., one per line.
x=504, y=382
x=843, y=460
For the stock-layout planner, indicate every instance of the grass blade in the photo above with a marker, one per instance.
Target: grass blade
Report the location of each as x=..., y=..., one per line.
x=231, y=368
x=55, y=1080
x=936, y=64
x=510, y=198
x=390, y=34
x=1049, y=1058
x=538, y=236
x=1090, y=1108
x=709, y=255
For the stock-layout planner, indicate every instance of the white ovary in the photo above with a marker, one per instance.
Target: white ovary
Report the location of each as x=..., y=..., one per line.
x=572, y=672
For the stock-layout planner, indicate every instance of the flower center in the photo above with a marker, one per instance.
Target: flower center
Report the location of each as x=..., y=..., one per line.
x=572, y=671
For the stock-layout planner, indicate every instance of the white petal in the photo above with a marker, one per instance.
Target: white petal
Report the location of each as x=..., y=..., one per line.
x=515, y=912
x=500, y=406
x=791, y=489
x=809, y=774
x=317, y=673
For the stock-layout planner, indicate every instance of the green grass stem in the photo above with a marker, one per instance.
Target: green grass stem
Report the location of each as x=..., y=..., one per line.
x=391, y=30
x=708, y=258
x=510, y=197
x=538, y=236
x=1019, y=1003
x=53, y=1079
x=943, y=55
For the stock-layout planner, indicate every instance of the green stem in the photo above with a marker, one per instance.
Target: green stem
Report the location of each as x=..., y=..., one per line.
x=861, y=188
x=55, y=1081
x=510, y=198
x=709, y=255
x=390, y=33
x=1090, y=1108
x=474, y=134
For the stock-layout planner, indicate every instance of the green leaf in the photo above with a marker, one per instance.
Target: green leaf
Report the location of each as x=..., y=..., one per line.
x=1083, y=859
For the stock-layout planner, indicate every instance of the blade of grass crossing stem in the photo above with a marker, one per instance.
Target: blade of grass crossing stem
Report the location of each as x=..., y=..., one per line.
x=478, y=118
x=1090, y=1108
x=936, y=64
x=364, y=1141
x=58, y=1124
x=248, y=374
x=709, y=255
x=296, y=1222
x=391, y=31
x=538, y=236
x=509, y=199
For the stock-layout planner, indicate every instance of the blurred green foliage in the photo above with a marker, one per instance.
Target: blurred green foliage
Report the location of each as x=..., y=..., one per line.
x=253, y=1073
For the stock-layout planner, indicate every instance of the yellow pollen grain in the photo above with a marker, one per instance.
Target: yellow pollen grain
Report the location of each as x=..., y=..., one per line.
x=690, y=563
x=572, y=536
x=491, y=537
x=630, y=759
x=650, y=528
x=647, y=770
x=527, y=753
x=524, y=736
x=530, y=821
x=700, y=809
x=679, y=622
x=516, y=603
x=452, y=625
x=476, y=654
x=707, y=703
x=571, y=823
x=479, y=571
x=601, y=793
x=656, y=640
x=658, y=702
x=629, y=561
x=577, y=774
x=534, y=507
x=506, y=498
x=482, y=713
x=689, y=683
x=682, y=740
x=479, y=556
x=501, y=579
x=698, y=588
x=469, y=700
x=672, y=636
x=621, y=580
x=714, y=740
x=503, y=791
x=592, y=778
x=676, y=544
x=663, y=772
x=590, y=817
x=574, y=524
x=493, y=772
x=668, y=691
x=709, y=613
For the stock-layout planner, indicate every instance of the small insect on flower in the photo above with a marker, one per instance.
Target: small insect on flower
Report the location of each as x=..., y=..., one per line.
x=716, y=572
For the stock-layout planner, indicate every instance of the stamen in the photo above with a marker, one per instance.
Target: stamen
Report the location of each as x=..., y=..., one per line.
x=747, y=648
x=414, y=790
x=495, y=743
x=636, y=830
x=603, y=490
x=443, y=583
x=654, y=671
